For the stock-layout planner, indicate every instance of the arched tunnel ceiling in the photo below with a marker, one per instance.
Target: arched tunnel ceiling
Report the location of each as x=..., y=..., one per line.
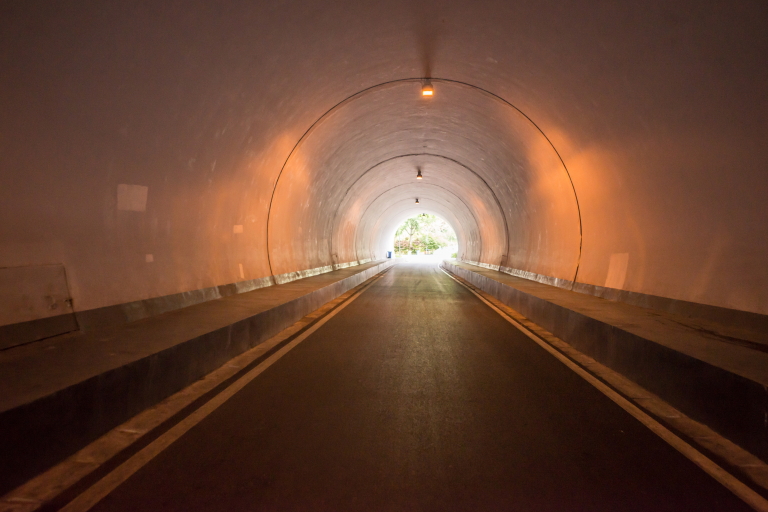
x=392, y=181
x=658, y=112
x=478, y=148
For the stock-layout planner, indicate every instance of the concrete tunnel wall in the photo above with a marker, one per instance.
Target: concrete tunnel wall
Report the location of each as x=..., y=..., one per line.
x=151, y=148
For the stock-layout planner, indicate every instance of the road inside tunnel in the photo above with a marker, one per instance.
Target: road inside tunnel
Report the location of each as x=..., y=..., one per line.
x=418, y=396
x=183, y=184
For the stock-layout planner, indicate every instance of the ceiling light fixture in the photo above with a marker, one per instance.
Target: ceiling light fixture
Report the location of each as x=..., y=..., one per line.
x=417, y=200
x=418, y=174
x=426, y=88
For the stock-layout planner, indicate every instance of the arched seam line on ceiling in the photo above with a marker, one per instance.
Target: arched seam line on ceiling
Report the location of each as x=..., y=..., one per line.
x=425, y=185
x=498, y=203
x=434, y=80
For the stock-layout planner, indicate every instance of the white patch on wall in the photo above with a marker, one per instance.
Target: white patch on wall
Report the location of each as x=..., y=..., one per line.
x=617, y=270
x=149, y=258
x=132, y=198
x=237, y=228
x=242, y=274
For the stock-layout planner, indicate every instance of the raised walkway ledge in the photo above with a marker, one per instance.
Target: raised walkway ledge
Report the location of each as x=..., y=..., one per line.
x=714, y=379
x=59, y=394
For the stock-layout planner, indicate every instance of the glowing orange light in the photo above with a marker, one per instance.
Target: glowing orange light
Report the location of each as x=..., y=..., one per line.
x=426, y=89
x=418, y=174
x=417, y=200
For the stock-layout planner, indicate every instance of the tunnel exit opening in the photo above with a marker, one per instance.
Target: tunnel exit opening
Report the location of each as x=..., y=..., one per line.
x=425, y=235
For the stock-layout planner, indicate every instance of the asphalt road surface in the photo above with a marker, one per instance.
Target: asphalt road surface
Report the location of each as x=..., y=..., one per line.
x=418, y=396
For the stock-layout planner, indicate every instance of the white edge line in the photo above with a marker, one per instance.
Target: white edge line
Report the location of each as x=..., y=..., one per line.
x=732, y=483
x=112, y=480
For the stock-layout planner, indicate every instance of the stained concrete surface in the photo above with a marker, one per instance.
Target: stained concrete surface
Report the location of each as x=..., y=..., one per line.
x=38, y=370
x=717, y=345
x=418, y=396
x=658, y=110
x=704, y=374
x=61, y=394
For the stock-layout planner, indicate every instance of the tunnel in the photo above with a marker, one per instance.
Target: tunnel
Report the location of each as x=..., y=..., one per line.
x=183, y=181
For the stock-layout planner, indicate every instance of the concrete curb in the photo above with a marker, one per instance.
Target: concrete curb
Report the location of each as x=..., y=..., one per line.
x=39, y=434
x=732, y=405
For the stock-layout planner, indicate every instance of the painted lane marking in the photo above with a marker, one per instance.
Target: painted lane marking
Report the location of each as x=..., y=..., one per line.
x=110, y=482
x=729, y=481
x=44, y=489
x=747, y=465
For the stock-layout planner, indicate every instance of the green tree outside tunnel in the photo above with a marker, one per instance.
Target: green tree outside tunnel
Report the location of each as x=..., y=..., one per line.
x=423, y=232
